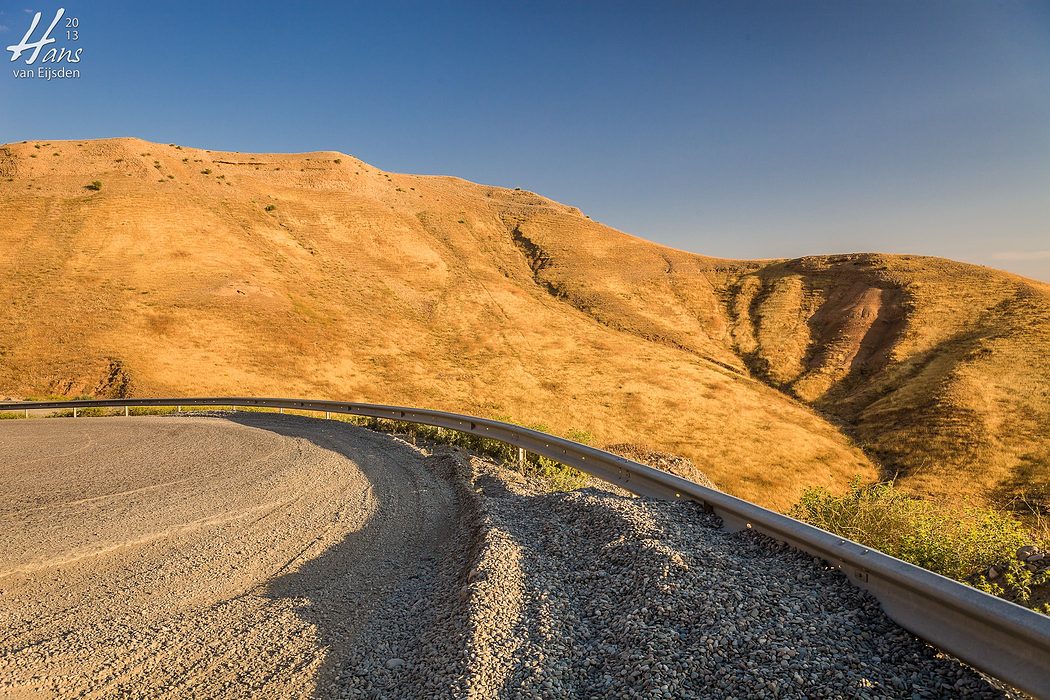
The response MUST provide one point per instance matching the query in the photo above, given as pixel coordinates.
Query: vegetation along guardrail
(996, 636)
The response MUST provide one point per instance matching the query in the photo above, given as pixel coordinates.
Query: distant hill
(204, 272)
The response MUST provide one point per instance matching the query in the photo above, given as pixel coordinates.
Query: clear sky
(738, 129)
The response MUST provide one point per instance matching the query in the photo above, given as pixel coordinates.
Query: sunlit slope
(174, 277)
(941, 370)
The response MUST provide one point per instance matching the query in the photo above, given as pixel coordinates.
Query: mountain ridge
(195, 271)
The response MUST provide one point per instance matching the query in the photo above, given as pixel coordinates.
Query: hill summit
(139, 268)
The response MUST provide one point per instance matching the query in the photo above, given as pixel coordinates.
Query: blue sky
(738, 129)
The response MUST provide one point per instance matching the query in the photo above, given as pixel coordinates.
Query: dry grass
(363, 285)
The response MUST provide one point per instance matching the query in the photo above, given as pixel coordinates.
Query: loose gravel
(315, 559)
(595, 594)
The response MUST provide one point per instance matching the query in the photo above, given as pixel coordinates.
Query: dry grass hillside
(200, 272)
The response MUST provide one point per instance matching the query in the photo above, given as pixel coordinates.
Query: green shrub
(957, 542)
(95, 185)
(271, 207)
(206, 171)
(1015, 583)
(581, 436)
(558, 476)
(151, 410)
(99, 412)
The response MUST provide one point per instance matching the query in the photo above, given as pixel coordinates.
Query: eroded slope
(199, 272)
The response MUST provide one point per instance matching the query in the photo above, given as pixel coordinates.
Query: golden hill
(200, 272)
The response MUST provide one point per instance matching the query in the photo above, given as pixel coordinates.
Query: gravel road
(203, 557)
(258, 555)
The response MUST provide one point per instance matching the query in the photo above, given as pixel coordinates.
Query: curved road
(266, 556)
(202, 556)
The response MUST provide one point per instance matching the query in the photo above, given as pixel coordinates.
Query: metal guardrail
(996, 636)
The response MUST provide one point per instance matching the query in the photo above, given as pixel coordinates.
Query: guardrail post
(125, 411)
(521, 459)
(328, 415)
(74, 411)
(178, 409)
(27, 413)
(281, 411)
